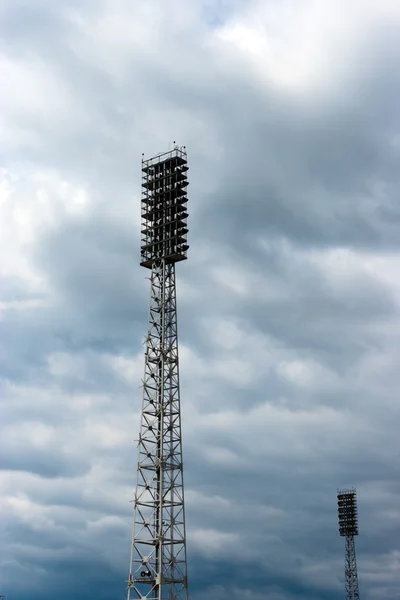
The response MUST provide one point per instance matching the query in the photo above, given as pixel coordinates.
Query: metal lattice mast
(348, 528)
(158, 567)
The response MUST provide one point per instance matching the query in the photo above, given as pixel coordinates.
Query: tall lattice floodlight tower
(348, 528)
(158, 567)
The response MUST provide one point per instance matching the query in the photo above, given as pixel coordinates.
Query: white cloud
(210, 542)
(34, 97)
(130, 368)
(308, 375)
(303, 48)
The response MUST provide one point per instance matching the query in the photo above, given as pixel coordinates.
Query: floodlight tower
(158, 569)
(348, 528)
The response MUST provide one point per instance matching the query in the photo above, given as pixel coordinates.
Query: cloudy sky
(289, 304)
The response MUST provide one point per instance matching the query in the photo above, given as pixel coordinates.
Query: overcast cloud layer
(289, 304)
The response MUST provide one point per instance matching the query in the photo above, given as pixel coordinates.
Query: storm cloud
(289, 304)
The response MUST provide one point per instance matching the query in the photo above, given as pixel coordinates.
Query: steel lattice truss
(351, 579)
(158, 557)
(159, 541)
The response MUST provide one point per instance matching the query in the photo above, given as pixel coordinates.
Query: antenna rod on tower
(158, 568)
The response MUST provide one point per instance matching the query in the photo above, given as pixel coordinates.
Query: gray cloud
(288, 304)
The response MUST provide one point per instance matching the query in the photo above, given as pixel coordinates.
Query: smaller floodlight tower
(348, 528)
